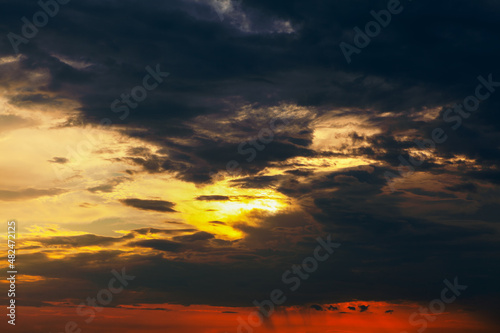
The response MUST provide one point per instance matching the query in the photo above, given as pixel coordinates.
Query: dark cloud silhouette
(154, 205)
(227, 82)
(217, 222)
(464, 187)
(158, 244)
(59, 160)
(109, 186)
(363, 308)
(221, 84)
(199, 236)
(146, 231)
(422, 192)
(317, 307)
(81, 240)
(256, 182)
(213, 198)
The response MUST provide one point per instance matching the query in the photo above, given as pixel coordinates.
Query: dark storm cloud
(154, 205)
(465, 187)
(300, 172)
(442, 195)
(33, 99)
(139, 151)
(177, 278)
(278, 230)
(256, 182)
(374, 226)
(242, 257)
(492, 176)
(229, 63)
(150, 164)
(189, 242)
(202, 282)
(321, 26)
(158, 244)
(428, 58)
(233, 65)
(195, 162)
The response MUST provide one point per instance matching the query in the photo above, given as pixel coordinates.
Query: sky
(184, 162)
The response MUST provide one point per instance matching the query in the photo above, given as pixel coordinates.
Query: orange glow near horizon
(155, 318)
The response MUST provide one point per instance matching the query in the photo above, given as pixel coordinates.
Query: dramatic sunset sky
(313, 144)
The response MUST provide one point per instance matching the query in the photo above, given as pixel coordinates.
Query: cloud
(217, 222)
(213, 198)
(463, 187)
(422, 192)
(28, 100)
(29, 193)
(158, 244)
(153, 205)
(9, 122)
(363, 308)
(188, 242)
(146, 231)
(256, 182)
(109, 186)
(59, 160)
(281, 58)
(241, 17)
(199, 236)
(81, 240)
(317, 307)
